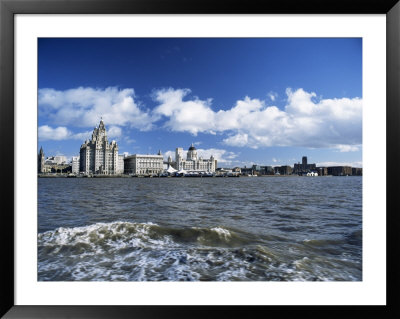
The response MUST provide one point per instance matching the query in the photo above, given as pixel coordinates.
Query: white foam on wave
(222, 232)
(100, 234)
(146, 251)
(98, 251)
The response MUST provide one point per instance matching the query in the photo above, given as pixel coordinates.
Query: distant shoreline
(144, 176)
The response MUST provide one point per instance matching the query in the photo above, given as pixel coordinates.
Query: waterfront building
(257, 169)
(75, 164)
(120, 169)
(60, 159)
(50, 161)
(97, 156)
(56, 160)
(41, 161)
(61, 168)
(356, 171)
(267, 170)
(223, 170)
(193, 162)
(139, 164)
(322, 171)
(46, 165)
(283, 170)
(340, 170)
(247, 171)
(304, 167)
(287, 170)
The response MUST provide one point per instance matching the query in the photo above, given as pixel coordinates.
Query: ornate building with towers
(192, 161)
(97, 156)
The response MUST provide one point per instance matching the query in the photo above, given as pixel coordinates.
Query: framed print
(125, 122)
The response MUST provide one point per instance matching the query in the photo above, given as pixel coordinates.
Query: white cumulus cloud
(272, 95)
(348, 148)
(46, 132)
(192, 116)
(114, 132)
(306, 120)
(81, 136)
(83, 107)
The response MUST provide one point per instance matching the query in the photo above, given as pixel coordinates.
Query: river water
(200, 229)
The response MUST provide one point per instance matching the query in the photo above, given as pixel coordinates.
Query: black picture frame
(8, 8)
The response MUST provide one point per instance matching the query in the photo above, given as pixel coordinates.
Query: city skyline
(245, 101)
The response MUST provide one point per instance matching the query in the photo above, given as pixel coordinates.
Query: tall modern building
(97, 156)
(192, 161)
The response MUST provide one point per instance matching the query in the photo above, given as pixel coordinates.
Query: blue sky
(244, 100)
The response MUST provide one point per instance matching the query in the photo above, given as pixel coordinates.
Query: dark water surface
(218, 229)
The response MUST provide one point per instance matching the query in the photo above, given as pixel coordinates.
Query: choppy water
(218, 229)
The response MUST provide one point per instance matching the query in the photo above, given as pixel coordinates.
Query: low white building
(50, 161)
(312, 174)
(56, 160)
(140, 164)
(60, 159)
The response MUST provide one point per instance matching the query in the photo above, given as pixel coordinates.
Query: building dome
(192, 153)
